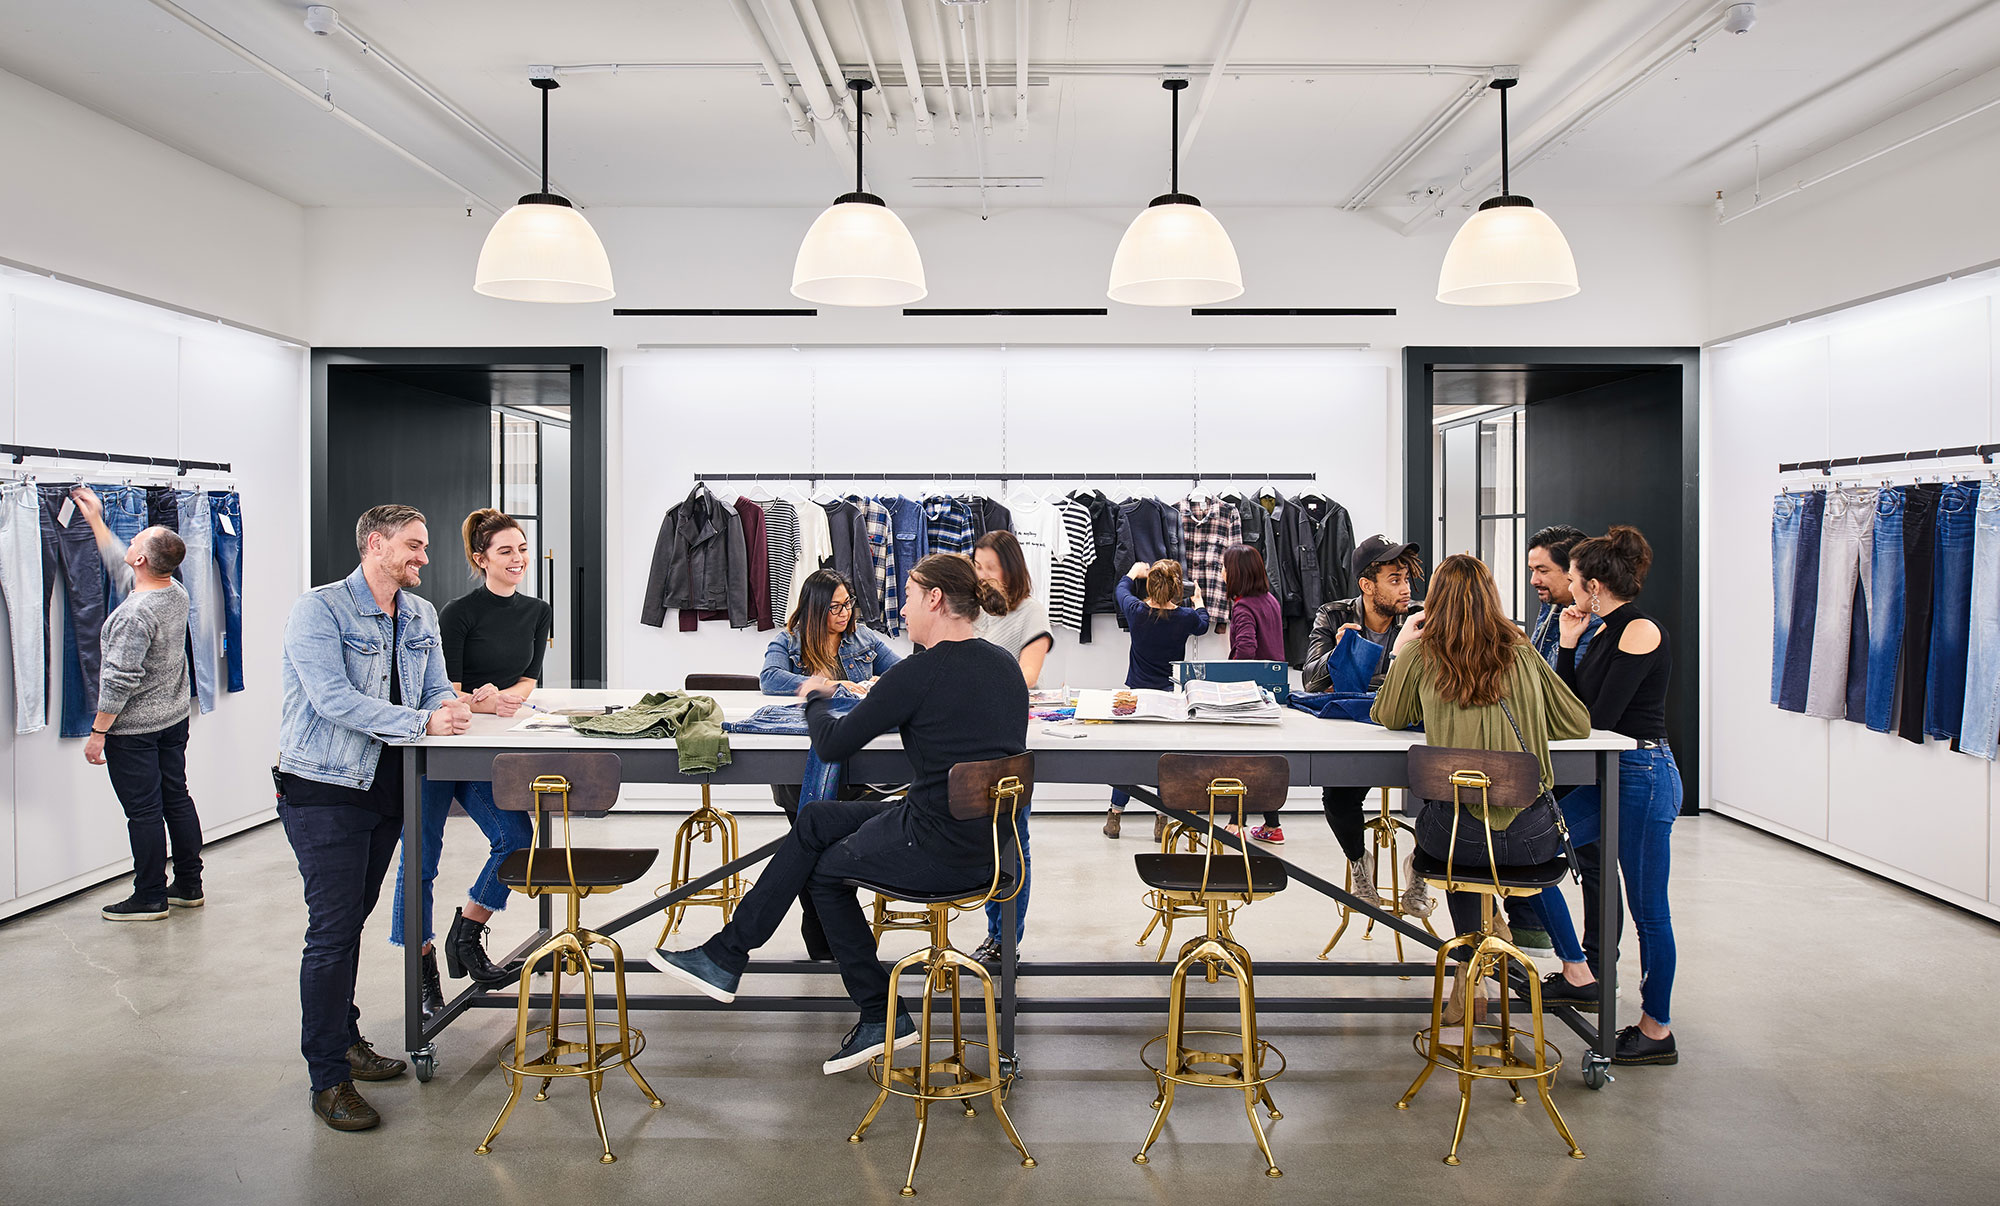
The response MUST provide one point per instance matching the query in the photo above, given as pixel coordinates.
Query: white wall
(92, 199)
(82, 370)
(1916, 371)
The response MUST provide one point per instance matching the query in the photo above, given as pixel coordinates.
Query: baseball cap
(1375, 550)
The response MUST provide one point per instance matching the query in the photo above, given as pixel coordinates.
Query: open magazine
(1210, 702)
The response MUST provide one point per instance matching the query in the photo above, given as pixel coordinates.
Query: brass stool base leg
(1161, 1106)
(513, 1096)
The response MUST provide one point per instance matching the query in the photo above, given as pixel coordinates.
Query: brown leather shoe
(1111, 820)
(343, 1109)
(366, 1065)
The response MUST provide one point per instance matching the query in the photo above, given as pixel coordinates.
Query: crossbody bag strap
(1562, 827)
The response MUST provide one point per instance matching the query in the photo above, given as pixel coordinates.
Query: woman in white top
(1024, 632)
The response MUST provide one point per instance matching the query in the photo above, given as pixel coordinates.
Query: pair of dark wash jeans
(1887, 601)
(149, 774)
(344, 852)
(1951, 609)
(1920, 507)
(225, 510)
(1796, 672)
(1787, 513)
(125, 515)
(70, 557)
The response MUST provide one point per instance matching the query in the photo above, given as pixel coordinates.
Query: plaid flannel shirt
(882, 559)
(949, 523)
(1208, 527)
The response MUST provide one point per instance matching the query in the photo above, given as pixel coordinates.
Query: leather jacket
(1327, 623)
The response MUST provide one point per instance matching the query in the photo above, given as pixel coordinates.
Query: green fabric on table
(693, 721)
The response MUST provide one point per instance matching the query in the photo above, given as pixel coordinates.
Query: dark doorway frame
(1420, 364)
(588, 370)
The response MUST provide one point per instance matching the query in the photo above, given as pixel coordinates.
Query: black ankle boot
(433, 988)
(465, 954)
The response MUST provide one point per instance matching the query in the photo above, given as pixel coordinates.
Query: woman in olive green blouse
(1460, 669)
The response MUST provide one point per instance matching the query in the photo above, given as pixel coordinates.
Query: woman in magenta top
(1256, 633)
(1256, 628)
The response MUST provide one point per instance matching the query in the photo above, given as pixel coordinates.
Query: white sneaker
(1363, 872)
(1417, 898)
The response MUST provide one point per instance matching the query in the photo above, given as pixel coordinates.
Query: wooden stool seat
(596, 868)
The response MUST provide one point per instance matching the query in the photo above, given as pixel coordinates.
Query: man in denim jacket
(363, 666)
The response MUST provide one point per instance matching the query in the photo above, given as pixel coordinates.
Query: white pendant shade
(858, 254)
(1175, 255)
(539, 252)
(1507, 255)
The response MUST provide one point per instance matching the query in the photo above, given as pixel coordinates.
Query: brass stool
(706, 825)
(1485, 1051)
(581, 783)
(994, 791)
(1169, 907)
(1382, 834)
(1220, 882)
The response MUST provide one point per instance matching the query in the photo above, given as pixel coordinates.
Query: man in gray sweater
(141, 730)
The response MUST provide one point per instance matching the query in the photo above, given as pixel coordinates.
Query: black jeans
(1532, 837)
(1347, 815)
(836, 840)
(343, 852)
(1920, 506)
(149, 773)
(69, 556)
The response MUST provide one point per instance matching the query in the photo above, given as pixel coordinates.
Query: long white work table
(1121, 754)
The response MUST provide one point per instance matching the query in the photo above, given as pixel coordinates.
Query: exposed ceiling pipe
(829, 62)
(1445, 117)
(1585, 104)
(1851, 164)
(1215, 73)
(767, 63)
(1038, 73)
(320, 102)
(1021, 11)
(985, 94)
(913, 76)
(874, 72)
(979, 128)
(944, 66)
(798, 51)
(423, 88)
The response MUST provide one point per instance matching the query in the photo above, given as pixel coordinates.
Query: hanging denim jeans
(226, 511)
(198, 576)
(70, 557)
(1886, 603)
(125, 515)
(21, 584)
(1787, 513)
(1846, 562)
(1977, 733)
(1951, 609)
(1804, 605)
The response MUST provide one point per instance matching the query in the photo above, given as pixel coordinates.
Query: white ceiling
(1811, 74)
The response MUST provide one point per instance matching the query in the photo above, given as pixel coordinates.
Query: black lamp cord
(1505, 189)
(545, 134)
(1175, 148)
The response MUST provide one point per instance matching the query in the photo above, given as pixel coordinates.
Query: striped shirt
(1067, 571)
(781, 544)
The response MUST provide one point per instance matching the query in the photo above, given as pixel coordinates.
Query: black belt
(1651, 743)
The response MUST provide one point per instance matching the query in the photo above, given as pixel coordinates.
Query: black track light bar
(1009, 312)
(633, 312)
(1295, 311)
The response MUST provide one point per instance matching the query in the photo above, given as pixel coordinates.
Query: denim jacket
(1546, 635)
(337, 713)
(863, 655)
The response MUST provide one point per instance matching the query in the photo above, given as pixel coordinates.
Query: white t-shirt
(1038, 525)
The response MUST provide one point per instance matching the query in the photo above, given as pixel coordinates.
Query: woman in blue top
(1161, 625)
(822, 639)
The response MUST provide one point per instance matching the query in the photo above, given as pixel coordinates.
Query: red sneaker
(1270, 835)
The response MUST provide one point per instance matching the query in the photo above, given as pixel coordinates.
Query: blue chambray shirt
(337, 713)
(1547, 633)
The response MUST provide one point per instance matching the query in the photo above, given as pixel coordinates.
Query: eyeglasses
(839, 609)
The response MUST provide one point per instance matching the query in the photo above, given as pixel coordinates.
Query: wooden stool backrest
(996, 791)
(1493, 778)
(1198, 782)
(572, 781)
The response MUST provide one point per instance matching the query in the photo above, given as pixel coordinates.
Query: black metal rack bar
(1985, 452)
(21, 452)
(1008, 477)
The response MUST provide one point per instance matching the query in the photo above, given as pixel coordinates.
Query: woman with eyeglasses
(822, 640)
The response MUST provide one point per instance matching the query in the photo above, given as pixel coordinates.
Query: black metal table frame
(650, 764)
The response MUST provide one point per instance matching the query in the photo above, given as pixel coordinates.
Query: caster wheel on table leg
(1009, 1066)
(425, 1063)
(1596, 1072)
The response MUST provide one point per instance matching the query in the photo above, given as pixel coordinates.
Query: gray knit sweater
(145, 675)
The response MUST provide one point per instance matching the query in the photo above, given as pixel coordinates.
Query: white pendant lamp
(542, 250)
(1508, 253)
(858, 252)
(1175, 253)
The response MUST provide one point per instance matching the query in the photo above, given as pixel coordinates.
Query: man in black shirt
(354, 650)
(959, 699)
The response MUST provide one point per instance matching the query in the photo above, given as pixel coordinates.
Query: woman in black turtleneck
(1622, 679)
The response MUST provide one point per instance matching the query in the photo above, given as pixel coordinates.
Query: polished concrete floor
(1835, 1028)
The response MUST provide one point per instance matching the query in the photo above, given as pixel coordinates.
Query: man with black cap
(1384, 570)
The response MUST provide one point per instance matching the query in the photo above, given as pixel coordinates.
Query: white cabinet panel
(1920, 808)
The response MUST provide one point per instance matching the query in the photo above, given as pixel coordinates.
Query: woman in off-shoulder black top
(1622, 679)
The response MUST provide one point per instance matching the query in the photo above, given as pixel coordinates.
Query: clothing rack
(22, 451)
(1007, 477)
(1984, 452)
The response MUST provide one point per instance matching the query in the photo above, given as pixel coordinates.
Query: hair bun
(992, 600)
(1628, 542)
